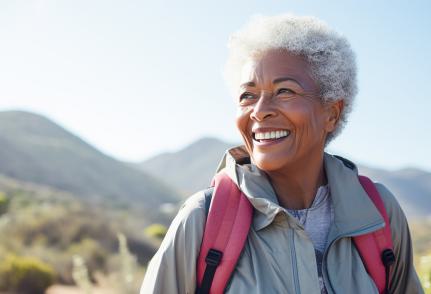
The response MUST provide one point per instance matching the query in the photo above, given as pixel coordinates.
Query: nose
(263, 108)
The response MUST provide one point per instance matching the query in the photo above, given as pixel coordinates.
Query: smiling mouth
(270, 135)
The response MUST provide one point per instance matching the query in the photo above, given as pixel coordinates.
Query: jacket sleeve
(173, 268)
(403, 275)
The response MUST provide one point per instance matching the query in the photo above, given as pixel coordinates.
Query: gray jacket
(278, 256)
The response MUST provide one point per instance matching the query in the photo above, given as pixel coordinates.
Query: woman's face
(280, 115)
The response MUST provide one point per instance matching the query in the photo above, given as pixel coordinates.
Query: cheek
(304, 116)
(243, 126)
(242, 120)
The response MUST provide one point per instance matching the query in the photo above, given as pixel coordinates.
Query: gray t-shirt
(316, 221)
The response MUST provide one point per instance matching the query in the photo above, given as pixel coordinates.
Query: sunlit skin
(278, 92)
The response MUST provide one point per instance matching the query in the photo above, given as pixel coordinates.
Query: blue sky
(136, 78)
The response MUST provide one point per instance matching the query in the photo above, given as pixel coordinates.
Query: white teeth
(271, 135)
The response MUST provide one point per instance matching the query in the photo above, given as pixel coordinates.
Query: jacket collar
(353, 210)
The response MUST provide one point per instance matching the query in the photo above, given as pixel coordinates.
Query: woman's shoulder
(187, 227)
(397, 218)
(390, 202)
(193, 206)
(189, 222)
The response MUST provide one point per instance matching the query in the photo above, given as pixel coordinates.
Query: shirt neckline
(322, 195)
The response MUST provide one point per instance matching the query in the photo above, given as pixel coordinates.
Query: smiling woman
(303, 220)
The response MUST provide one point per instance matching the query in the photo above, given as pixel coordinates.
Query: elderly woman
(294, 81)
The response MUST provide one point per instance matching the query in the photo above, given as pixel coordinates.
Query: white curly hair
(329, 54)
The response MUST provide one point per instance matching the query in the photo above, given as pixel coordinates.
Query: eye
(246, 96)
(285, 91)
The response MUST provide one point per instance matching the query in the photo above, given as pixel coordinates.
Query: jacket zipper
(294, 263)
(350, 234)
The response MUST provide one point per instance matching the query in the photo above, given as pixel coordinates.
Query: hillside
(191, 168)
(35, 149)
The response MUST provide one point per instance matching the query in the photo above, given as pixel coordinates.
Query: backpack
(229, 219)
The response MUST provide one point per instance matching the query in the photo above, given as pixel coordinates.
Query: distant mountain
(191, 169)
(35, 149)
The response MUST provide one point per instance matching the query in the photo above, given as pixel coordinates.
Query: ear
(334, 110)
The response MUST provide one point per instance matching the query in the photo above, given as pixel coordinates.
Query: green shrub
(4, 203)
(92, 252)
(156, 231)
(25, 275)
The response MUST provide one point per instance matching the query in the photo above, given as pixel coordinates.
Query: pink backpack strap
(226, 231)
(376, 248)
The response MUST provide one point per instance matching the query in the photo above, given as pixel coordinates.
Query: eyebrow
(275, 81)
(248, 84)
(283, 79)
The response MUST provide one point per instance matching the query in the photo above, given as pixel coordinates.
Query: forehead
(264, 68)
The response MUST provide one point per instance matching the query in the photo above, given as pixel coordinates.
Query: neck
(296, 185)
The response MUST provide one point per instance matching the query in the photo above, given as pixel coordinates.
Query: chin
(268, 162)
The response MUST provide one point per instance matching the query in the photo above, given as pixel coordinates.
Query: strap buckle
(388, 257)
(213, 257)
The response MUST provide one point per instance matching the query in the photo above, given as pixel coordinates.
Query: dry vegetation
(43, 229)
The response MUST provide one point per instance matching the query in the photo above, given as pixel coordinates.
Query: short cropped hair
(328, 53)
